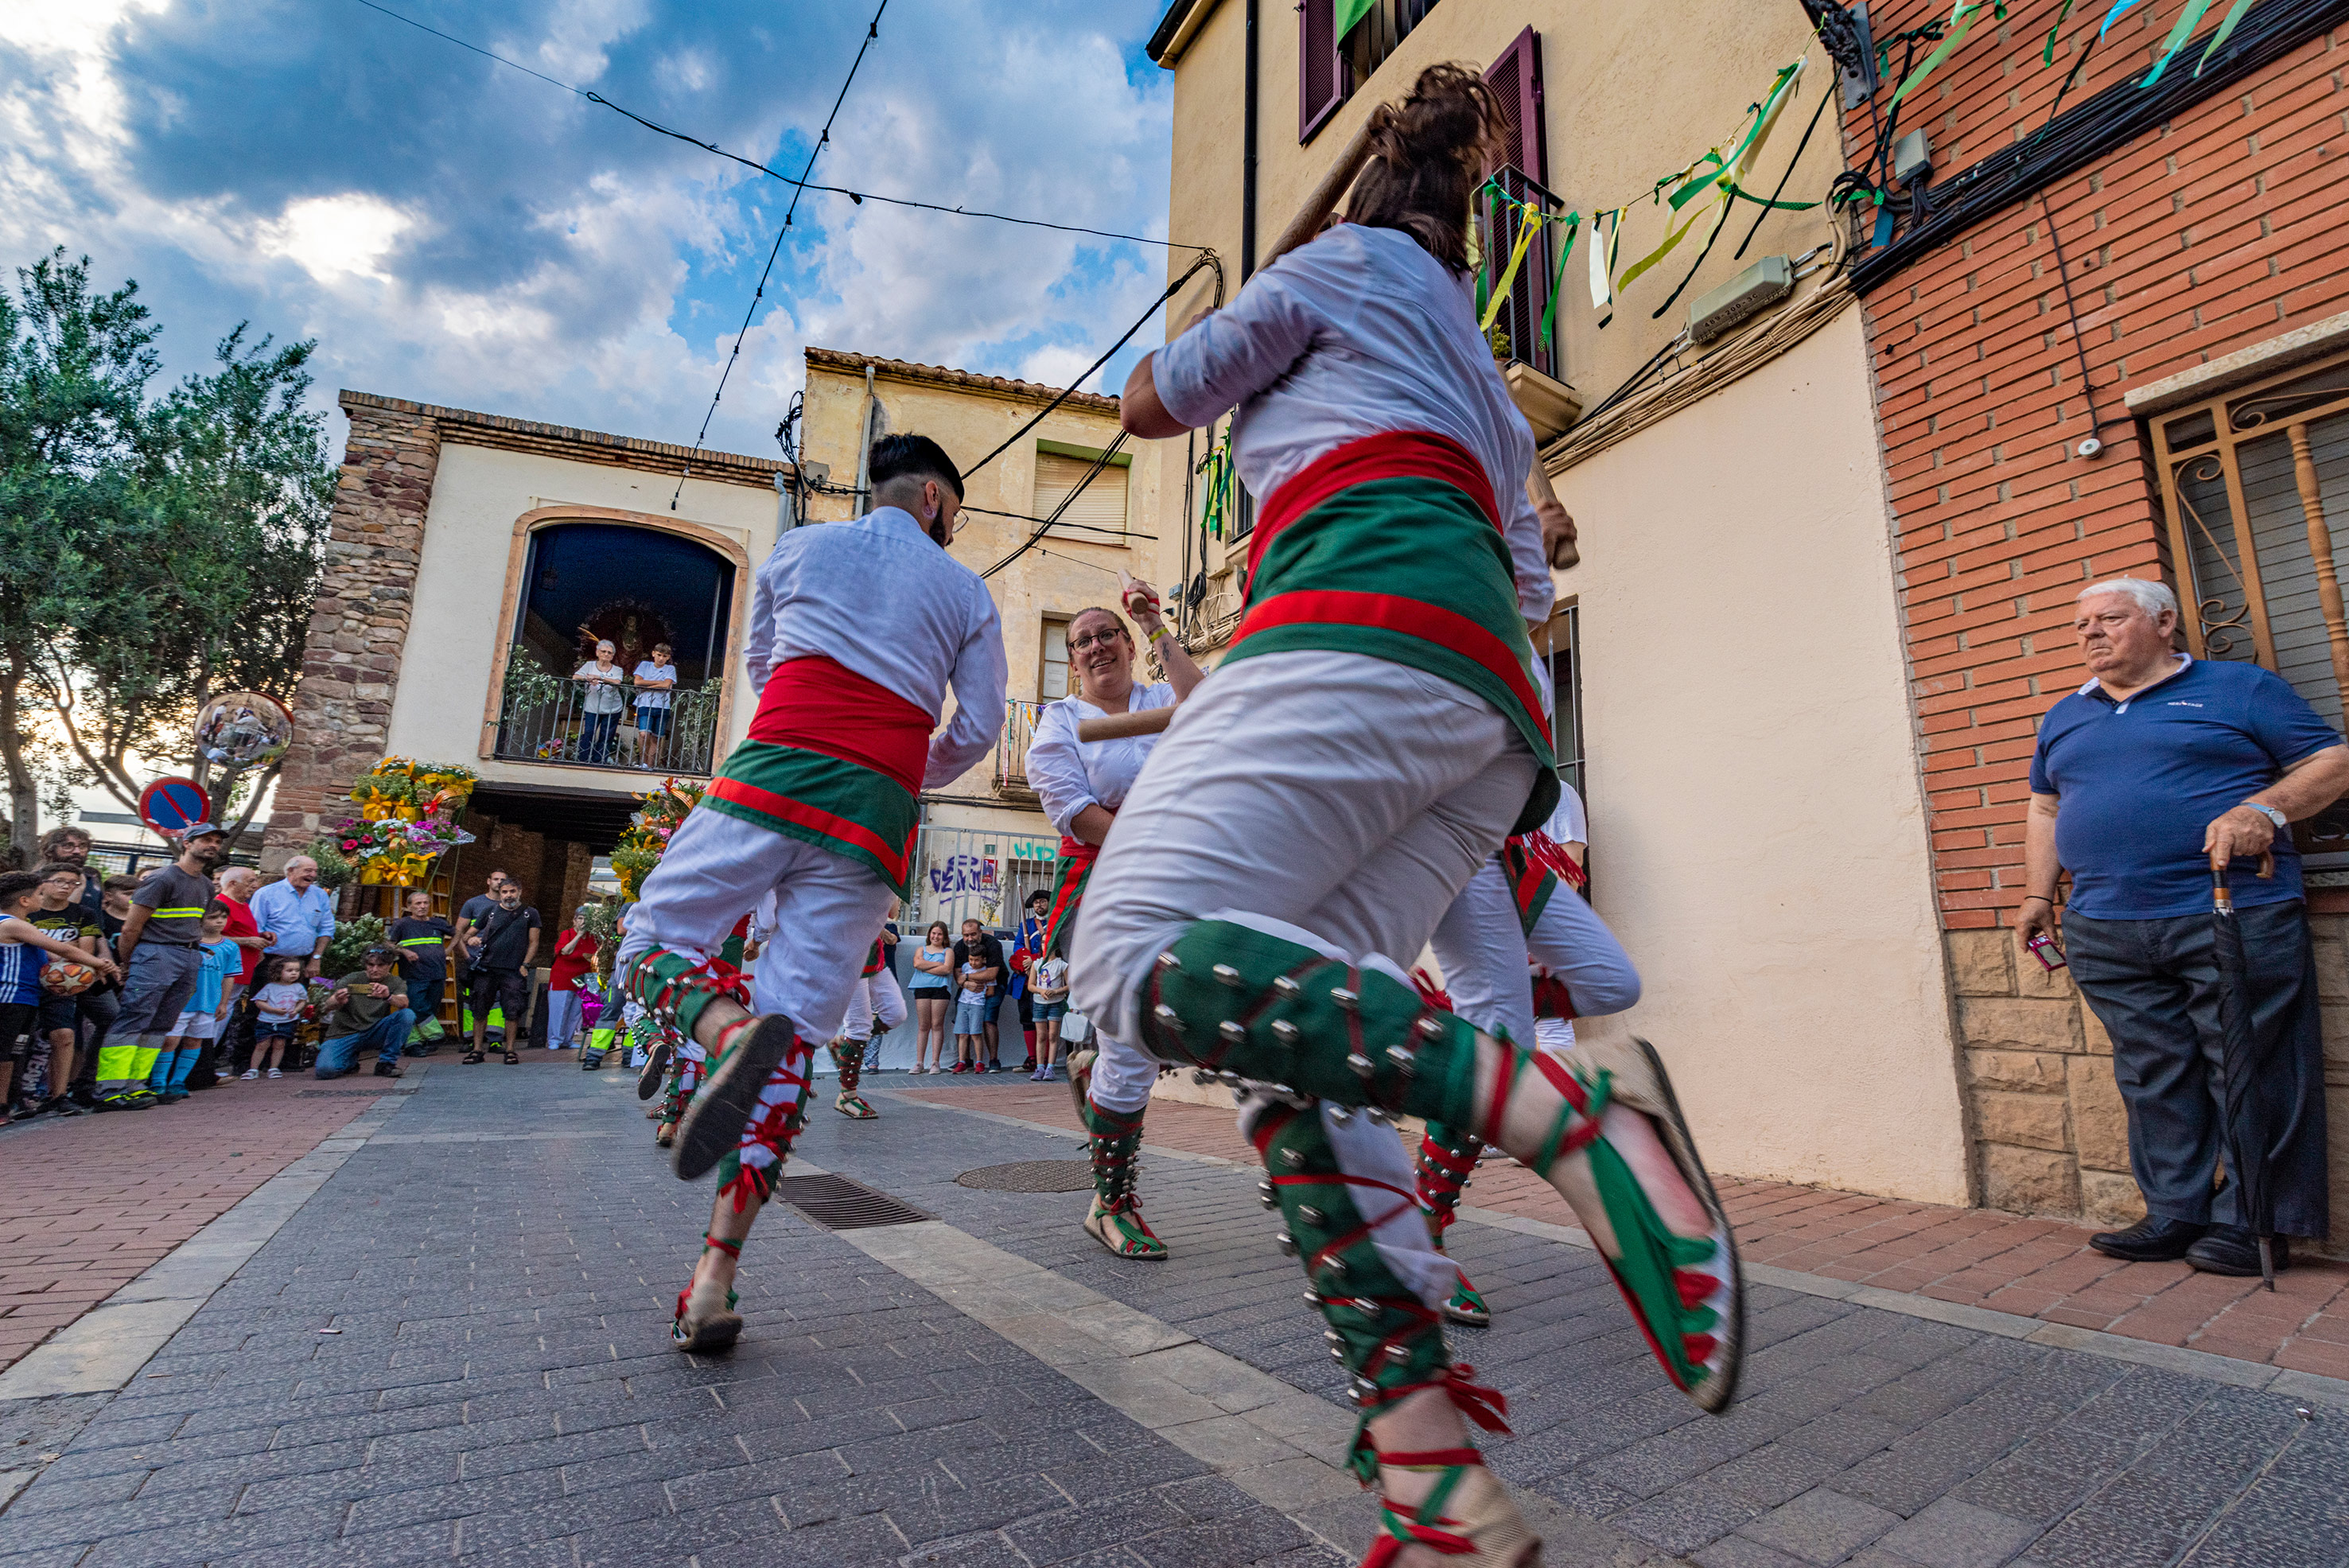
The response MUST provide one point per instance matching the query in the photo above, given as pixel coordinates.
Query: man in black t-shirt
(473, 987)
(504, 946)
(424, 941)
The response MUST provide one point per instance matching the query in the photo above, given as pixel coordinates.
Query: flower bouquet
(407, 819)
(661, 813)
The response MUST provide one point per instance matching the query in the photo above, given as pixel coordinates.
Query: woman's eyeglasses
(1078, 644)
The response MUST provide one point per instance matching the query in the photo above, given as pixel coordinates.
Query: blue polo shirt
(2141, 780)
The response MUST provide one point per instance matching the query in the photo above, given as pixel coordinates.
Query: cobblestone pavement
(456, 1350)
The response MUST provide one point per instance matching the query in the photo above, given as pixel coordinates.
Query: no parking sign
(170, 806)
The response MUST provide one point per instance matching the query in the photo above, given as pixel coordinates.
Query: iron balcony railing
(592, 724)
(1011, 750)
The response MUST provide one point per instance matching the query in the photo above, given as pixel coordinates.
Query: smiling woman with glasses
(1081, 784)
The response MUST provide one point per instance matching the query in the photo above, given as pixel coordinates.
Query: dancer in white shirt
(819, 808)
(873, 998)
(1081, 784)
(1369, 740)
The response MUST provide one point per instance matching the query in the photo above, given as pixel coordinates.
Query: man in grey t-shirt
(163, 955)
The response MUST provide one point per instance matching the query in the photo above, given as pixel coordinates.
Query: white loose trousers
(872, 994)
(1483, 947)
(1345, 796)
(827, 908)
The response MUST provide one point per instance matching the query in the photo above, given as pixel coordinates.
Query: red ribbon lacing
(1403, 1528)
(774, 1127)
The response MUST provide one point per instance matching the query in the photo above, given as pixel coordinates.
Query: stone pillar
(342, 708)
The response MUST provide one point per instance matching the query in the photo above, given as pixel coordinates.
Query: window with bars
(2255, 488)
(1558, 642)
(1339, 45)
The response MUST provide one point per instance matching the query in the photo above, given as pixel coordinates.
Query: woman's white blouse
(1069, 775)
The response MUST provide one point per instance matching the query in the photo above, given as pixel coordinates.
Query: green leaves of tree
(154, 551)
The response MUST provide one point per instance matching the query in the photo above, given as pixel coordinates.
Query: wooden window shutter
(1321, 72)
(1515, 74)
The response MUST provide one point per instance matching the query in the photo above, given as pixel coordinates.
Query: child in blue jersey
(25, 951)
(200, 1023)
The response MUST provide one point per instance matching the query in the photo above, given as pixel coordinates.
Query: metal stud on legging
(1447, 1157)
(676, 989)
(1233, 997)
(1116, 1147)
(848, 1060)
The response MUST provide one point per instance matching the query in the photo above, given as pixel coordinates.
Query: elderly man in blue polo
(2157, 768)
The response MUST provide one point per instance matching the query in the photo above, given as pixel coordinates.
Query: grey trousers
(2154, 986)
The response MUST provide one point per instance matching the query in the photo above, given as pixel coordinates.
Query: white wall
(459, 622)
(1758, 828)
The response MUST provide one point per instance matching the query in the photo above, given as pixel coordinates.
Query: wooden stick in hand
(1121, 726)
(1325, 197)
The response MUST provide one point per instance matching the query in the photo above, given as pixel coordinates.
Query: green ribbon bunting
(2047, 57)
(1558, 284)
(2234, 14)
(2187, 20)
(1962, 17)
(1348, 15)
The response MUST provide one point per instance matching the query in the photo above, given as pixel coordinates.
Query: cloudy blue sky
(454, 231)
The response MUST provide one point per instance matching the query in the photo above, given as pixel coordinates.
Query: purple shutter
(1515, 74)
(1320, 71)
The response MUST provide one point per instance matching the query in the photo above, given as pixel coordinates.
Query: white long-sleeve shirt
(879, 598)
(1069, 774)
(1358, 332)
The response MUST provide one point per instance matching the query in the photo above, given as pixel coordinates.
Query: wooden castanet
(1121, 726)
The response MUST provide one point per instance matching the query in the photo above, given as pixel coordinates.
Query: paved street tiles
(500, 1262)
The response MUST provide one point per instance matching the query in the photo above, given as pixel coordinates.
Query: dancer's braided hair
(1427, 154)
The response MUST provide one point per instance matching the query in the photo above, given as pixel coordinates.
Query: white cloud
(334, 238)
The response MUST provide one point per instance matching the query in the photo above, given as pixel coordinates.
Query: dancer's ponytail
(1427, 154)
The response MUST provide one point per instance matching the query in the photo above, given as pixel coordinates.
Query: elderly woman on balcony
(602, 676)
(1081, 784)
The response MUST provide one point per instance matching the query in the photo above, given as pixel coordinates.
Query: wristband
(1158, 633)
(2042, 897)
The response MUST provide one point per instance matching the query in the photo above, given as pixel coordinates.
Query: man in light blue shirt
(297, 914)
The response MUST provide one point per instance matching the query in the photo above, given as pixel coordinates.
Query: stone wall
(342, 706)
(2049, 1131)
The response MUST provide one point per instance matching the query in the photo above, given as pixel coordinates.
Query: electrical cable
(1070, 390)
(1100, 462)
(859, 197)
(872, 32)
(1816, 115)
(1088, 527)
(2071, 308)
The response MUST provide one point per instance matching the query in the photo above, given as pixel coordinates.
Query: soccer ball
(64, 978)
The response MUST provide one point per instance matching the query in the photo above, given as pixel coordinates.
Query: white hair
(2151, 596)
(236, 873)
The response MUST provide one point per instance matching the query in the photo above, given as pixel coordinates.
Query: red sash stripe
(1413, 617)
(785, 809)
(1391, 454)
(817, 704)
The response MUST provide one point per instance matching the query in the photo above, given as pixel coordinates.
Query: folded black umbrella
(2245, 1053)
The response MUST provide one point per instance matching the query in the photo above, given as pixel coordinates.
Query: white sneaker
(275, 1073)
(249, 1074)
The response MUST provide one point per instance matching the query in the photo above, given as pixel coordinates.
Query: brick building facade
(2200, 252)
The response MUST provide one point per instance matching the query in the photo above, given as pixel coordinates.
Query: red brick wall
(2220, 230)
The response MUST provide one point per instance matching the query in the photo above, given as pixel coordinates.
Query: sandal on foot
(664, 1134)
(470, 1057)
(1081, 1082)
(854, 1107)
(1687, 1295)
(511, 1059)
(1466, 1306)
(710, 1331)
(1123, 1230)
(712, 1126)
(1468, 1518)
(655, 1068)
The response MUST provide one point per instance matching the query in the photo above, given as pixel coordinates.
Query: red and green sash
(872, 961)
(1069, 873)
(1392, 546)
(835, 759)
(1535, 864)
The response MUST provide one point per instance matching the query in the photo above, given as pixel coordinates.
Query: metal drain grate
(840, 1203)
(1030, 1176)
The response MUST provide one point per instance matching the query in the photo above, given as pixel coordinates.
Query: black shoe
(2149, 1240)
(62, 1106)
(86, 1098)
(388, 1069)
(2233, 1251)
